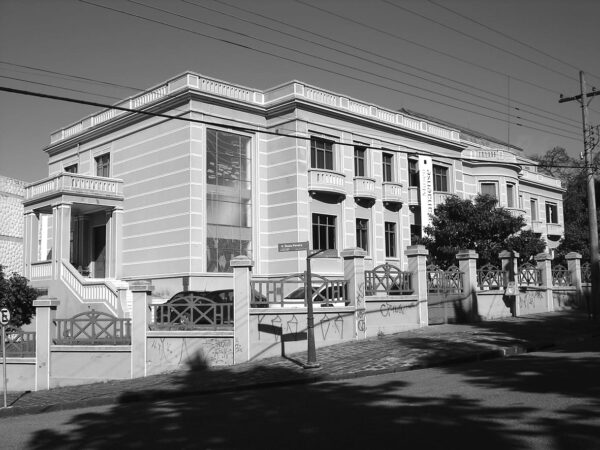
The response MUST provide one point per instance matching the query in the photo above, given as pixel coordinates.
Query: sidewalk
(426, 347)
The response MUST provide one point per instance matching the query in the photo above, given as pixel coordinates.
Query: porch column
(544, 264)
(467, 264)
(242, 294)
(114, 233)
(417, 265)
(574, 264)
(30, 241)
(354, 274)
(61, 235)
(83, 242)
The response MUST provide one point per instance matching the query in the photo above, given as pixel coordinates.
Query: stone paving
(426, 347)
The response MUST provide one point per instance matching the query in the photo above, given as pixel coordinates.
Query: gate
(444, 294)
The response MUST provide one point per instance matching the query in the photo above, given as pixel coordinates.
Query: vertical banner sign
(426, 191)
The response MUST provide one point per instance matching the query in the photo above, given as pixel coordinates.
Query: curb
(152, 396)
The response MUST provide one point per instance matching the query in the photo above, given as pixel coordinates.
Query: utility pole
(591, 191)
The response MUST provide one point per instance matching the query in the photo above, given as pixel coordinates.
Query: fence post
(140, 291)
(509, 264)
(417, 265)
(467, 264)
(45, 313)
(544, 264)
(354, 274)
(574, 265)
(242, 270)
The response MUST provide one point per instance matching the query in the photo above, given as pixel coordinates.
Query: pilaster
(417, 265)
(354, 274)
(242, 293)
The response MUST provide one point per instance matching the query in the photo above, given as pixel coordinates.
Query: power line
(354, 55)
(516, 55)
(439, 52)
(507, 36)
(235, 127)
(437, 102)
(59, 87)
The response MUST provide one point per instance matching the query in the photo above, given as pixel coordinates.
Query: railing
(389, 279)
(538, 227)
(554, 229)
(93, 328)
(190, 311)
(41, 270)
(586, 273)
(440, 197)
(75, 183)
(89, 290)
(364, 187)
(392, 192)
(290, 291)
(490, 278)
(561, 276)
(530, 275)
(489, 154)
(538, 177)
(326, 181)
(449, 281)
(19, 343)
(516, 212)
(413, 195)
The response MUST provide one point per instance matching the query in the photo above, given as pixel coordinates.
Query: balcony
(392, 193)
(555, 229)
(74, 184)
(326, 182)
(538, 227)
(440, 197)
(516, 212)
(364, 188)
(413, 196)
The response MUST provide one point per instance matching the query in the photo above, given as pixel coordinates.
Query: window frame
(510, 199)
(362, 233)
(387, 167)
(489, 183)
(534, 208)
(444, 177)
(329, 224)
(326, 151)
(71, 168)
(552, 206)
(413, 173)
(103, 165)
(360, 161)
(391, 241)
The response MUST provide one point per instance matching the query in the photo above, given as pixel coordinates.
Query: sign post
(311, 353)
(4, 320)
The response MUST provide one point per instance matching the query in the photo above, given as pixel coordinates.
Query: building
(134, 196)
(11, 225)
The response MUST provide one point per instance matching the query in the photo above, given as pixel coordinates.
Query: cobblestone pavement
(426, 347)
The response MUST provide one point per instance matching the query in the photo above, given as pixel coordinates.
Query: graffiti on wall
(388, 309)
(179, 351)
(332, 327)
(532, 300)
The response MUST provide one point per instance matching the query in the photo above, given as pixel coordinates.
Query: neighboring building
(11, 224)
(132, 196)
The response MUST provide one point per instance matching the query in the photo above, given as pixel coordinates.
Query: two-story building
(172, 183)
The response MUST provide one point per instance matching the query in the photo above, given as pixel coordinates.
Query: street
(542, 400)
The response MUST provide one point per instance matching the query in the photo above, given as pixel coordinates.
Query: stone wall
(11, 224)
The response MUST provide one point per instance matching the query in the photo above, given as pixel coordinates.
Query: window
(323, 230)
(551, 213)
(520, 202)
(362, 234)
(359, 161)
(489, 189)
(440, 179)
(390, 239)
(510, 195)
(534, 209)
(388, 172)
(71, 169)
(103, 165)
(413, 173)
(228, 199)
(321, 154)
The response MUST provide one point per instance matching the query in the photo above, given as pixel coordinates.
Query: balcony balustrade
(538, 227)
(440, 197)
(364, 188)
(326, 181)
(72, 183)
(554, 229)
(413, 195)
(392, 192)
(516, 212)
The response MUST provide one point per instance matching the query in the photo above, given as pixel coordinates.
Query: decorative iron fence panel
(190, 311)
(19, 343)
(561, 276)
(290, 291)
(449, 281)
(586, 273)
(389, 279)
(491, 278)
(530, 275)
(93, 328)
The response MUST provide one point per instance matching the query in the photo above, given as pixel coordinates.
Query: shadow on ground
(354, 415)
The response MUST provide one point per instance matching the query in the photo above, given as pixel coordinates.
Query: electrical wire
(59, 87)
(239, 128)
(371, 61)
(248, 47)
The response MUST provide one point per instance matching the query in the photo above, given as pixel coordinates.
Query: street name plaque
(293, 246)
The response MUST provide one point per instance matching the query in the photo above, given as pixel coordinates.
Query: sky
(497, 67)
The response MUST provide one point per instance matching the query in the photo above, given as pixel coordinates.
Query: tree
(18, 297)
(479, 225)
